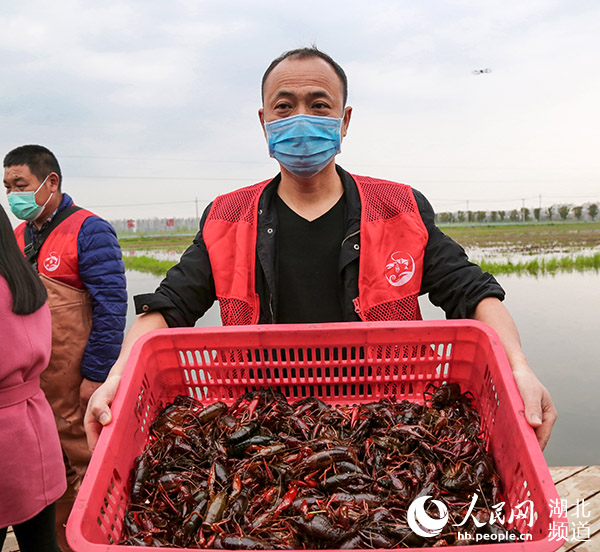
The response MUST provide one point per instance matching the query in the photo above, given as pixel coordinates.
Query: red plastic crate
(339, 363)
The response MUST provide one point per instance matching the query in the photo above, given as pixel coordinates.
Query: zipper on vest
(271, 308)
(350, 236)
(357, 309)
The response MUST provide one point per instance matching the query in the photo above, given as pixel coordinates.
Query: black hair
(28, 292)
(307, 53)
(40, 160)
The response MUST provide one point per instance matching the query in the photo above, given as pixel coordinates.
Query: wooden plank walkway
(574, 484)
(577, 484)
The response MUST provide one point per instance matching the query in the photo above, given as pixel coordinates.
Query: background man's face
(304, 86)
(19, 178)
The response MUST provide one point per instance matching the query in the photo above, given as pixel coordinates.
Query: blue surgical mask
(23, 204)
(304, 144)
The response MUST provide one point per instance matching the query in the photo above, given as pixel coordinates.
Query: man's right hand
(98, 412)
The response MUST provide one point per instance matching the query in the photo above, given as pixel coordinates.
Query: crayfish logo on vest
(52, 261)
(401, 269)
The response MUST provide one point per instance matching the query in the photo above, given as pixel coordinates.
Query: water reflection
(159, 254)
(558, 319)
(139, 282)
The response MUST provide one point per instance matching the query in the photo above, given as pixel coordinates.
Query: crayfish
(264, 474)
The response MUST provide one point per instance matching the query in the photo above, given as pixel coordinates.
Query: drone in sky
(481, 71)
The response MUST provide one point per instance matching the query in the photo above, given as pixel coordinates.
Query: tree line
(190, 225)
(524, 214)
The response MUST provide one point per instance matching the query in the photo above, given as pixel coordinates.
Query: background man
(79, 261)
(316, 244)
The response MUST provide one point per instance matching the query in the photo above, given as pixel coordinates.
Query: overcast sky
(149, 105)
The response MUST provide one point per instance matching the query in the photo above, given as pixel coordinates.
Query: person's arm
(452, 281)
(103, 274)
(539, 408)
(98, 409)
(463, 290)
(184, 295)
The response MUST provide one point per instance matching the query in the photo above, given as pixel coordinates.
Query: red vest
(392, 242)
(58, 258)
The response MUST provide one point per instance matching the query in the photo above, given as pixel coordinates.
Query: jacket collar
(66, 201)
(350, 191)
(266, 243)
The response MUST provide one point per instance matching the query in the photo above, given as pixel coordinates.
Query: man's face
(19, 178)
(304, 86)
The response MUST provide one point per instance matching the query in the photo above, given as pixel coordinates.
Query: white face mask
(23, 204)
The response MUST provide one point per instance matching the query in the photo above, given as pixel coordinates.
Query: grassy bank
(148, 264)
(580, 263)
(521, 237)
(177, 242)
(524, 236)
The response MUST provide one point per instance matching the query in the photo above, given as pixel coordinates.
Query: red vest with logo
(58, 257)
(392, 243)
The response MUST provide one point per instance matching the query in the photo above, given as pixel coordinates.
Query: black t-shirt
(307, 264)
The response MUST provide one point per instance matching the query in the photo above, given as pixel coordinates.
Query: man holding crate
(317, 244)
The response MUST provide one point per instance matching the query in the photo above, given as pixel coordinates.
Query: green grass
(537, 267)
(148, 264)
(178, 242)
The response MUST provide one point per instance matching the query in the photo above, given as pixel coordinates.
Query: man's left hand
(539, 408)
(86, 389)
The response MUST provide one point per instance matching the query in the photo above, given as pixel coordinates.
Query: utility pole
(196, 208)
(523, 211)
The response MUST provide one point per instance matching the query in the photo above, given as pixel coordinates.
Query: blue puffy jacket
(102, 272)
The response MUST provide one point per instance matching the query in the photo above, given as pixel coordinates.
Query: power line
(269, 163)
(162, 159)
(147, 204)
(190, 178)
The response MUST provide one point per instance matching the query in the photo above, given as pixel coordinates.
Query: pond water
(559, 321)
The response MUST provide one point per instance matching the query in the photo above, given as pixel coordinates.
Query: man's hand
(98, 409)
(539, 408)
(86, 389)
(98, 412)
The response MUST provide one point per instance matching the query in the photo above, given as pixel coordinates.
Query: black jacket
(453, 283)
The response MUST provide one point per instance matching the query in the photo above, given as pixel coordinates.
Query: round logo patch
(401, 268)
(52, 261)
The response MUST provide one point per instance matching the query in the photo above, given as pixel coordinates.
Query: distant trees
(446, 217)
(563, 211)
(556, 212)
